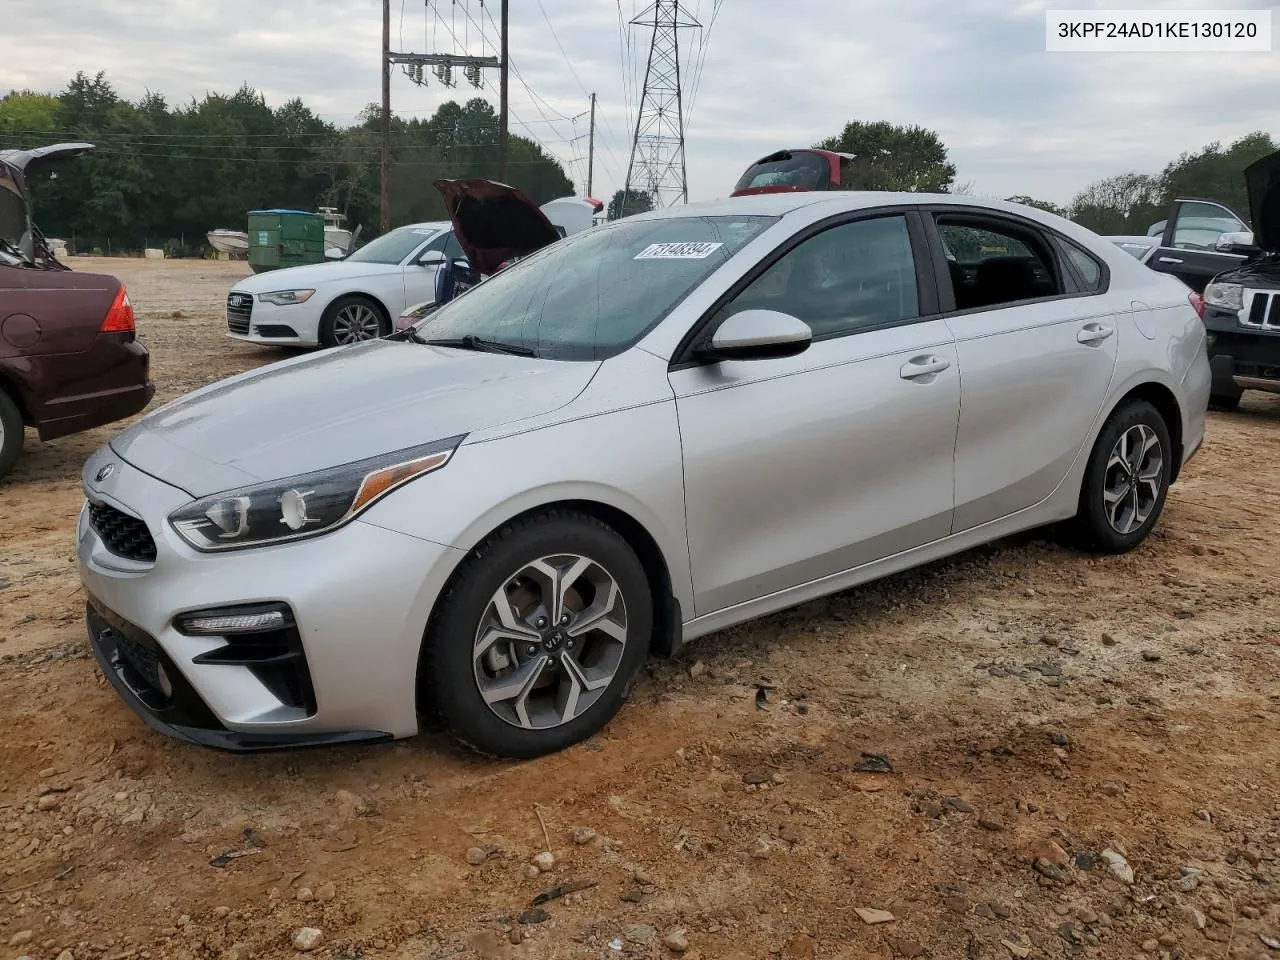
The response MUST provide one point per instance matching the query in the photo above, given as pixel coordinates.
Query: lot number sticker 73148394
(692, 250)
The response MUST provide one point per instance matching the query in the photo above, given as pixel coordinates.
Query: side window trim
(1082, 287)
(926, 284)
(1049, 240)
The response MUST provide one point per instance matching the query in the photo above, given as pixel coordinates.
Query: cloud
(1015, 118)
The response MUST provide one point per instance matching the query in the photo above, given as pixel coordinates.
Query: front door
(800, 468)
(1188, 246)
(1036, 334)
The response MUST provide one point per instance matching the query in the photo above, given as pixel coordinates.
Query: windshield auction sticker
(1157, 31)
(692, 250)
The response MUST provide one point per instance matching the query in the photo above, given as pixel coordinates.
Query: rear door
(1188, 246)
(804, 467)
(1036, 332)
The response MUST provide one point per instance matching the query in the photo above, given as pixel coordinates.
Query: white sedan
(327, 304)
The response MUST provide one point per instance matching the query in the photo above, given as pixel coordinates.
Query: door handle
(1169, 260)
(1094, 333)
(923, 367)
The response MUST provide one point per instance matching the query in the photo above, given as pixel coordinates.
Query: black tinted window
(851, 277)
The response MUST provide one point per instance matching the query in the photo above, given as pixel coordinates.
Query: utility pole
(442, 65)
(384, 191)
(591, 149)
(503, 108)
(657, 152)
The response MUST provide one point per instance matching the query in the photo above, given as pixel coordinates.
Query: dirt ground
(1022, 752)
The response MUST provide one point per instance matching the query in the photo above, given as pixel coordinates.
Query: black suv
(1209, 248)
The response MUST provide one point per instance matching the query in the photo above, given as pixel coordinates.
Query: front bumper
(360, 598)
(1241, 358)
(296, 325)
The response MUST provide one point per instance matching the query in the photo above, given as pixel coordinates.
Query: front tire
(539, 636)
(11, 433)
(352, 319)
(1126, 481)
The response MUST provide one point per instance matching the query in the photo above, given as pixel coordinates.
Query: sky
(1015, 119)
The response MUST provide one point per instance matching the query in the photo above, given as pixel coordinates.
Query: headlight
(303, 506)
(284, 298)
(1224, 296)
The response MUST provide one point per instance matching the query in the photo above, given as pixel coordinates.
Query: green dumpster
(284, 238)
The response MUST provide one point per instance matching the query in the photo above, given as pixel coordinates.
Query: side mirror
(333, 253)
(758, 335)
(431, 258)
(1238, 243)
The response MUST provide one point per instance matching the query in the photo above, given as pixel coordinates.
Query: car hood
(323, 410)
(24, 164)
(494, 223)
(311, 275)
(1262, 177)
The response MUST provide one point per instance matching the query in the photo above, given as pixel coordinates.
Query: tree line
(164, 176)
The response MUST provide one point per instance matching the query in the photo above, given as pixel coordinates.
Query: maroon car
(69, 355)
(792, 171)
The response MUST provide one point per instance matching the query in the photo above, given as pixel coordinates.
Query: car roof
(781, 204)
(429, 225)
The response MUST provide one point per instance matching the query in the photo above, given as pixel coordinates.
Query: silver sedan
(634, 437)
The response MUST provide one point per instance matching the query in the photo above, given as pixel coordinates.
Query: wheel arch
(13, 389)
(1166, 403)
(364, 295)
(667, 636)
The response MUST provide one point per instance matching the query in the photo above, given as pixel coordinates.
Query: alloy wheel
(356, 322)
(550, 641)
(1133, 478)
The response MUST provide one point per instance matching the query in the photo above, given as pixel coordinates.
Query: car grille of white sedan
(239, 311)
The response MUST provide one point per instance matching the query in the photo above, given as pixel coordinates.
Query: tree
(1046, 205)
(889, 157)
(637, 201)
(1215, 173)
(1126, 204)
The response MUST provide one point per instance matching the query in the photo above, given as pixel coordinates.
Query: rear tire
(352, 319)
(1226, 402)
(511, 670)
(11, 433)
(1126, 481)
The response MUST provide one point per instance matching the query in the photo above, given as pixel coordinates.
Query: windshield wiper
(11, 248)
(472, 342)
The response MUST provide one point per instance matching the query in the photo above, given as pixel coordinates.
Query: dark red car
(790, 171)
(69, 355)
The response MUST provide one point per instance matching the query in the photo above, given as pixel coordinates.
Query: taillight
(120, 317)
(1197, 303)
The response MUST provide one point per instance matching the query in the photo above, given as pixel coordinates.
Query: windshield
(594, 294)
(393, 247)
(801, 169)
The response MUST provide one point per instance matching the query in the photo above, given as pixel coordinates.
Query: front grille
(123, 535)
(1263, 311)
(239, 312)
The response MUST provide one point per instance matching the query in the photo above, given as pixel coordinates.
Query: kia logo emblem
(105, 472)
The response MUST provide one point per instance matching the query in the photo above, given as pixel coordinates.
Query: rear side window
(1089, 269)
(991, 264)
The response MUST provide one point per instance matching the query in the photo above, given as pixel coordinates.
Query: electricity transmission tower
(657, 163)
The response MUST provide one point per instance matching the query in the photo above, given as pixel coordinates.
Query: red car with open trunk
(69, 355)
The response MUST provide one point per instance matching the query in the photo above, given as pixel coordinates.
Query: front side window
(1199, 225)
(393, 247)
(852, 277)
(594, 294)
(996, 264)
